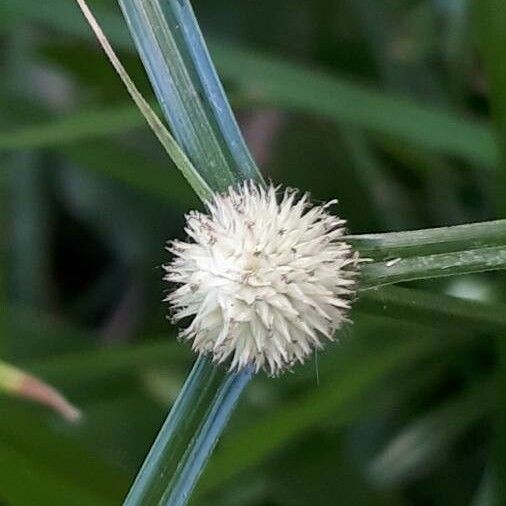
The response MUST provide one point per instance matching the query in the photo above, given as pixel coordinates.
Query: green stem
(431, 241)
(431, 253)
(188, 436)
(188, 88)
(178, 156)
(175, 56)
(433, 266)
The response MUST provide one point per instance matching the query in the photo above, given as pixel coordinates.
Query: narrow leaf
(163, 135)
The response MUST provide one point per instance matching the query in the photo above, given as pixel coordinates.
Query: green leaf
(78, 126)
(177, 155)
(78, 367)
(270, 80)
(432, 309)
(189, 90)
(432, 266)
(430, 240)
(431, 253)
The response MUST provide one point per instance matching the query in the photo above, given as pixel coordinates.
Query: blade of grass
(431, 241)
(188, 436)
(431, 253)
(188, 89)
(271, 80)
(185, 478)
(18, 383)
(382, 113)
(77, 367)
(69, 129)
(424, 439)
(433, 309)
(209, 396)
(433, 266)
(178, 156)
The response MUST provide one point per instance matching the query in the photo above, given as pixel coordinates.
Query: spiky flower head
(266, 279)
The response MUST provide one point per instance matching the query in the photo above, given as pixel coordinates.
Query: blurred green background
(382, 104)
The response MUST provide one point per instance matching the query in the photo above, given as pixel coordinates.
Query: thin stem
(431, 241)
(188, 436)
(176, 58)
(433, 266)
(200, 449)
(177, 155)
(177, 431)
(174, 53)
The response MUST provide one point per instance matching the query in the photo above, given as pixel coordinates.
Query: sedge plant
(264, 278)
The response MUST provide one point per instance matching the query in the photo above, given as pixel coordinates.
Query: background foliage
(383, 104)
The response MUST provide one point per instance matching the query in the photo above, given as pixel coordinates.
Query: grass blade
(433, 266)
(176, 58)
(80, 126)
(431, 240)
(188, 436)
(186, 476)
(16, 382)
(171, 146)
(271, 80)
(425, 438)
(203, 123)
(431, 253)
(434, 309)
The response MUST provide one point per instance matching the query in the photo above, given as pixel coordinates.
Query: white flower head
(266, 279)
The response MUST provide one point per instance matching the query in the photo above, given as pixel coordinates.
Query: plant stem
(188, 436)
(433, 266)
(431, 241)
(176, 58)
(173, 149)
(431, 253)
